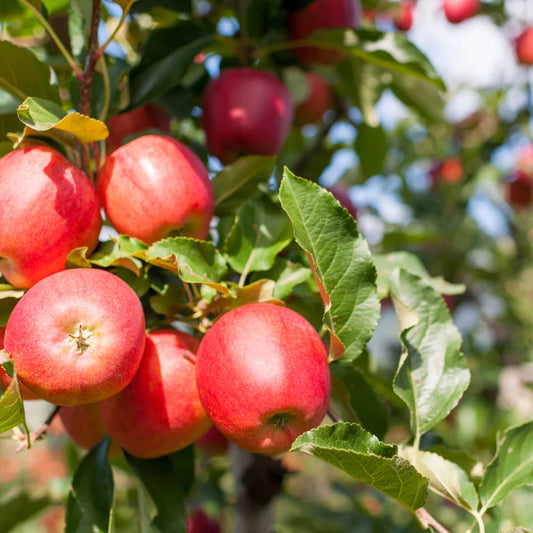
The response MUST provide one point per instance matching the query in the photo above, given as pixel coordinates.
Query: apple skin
(341, 191)
(402, 15)
(212, 442)
(159, 412)
(520, 189)
(145, 117)
(263, 377)
(49, 207)
(322, 14)
(76, 336)
(246, 111)
(154, 186)
(318, 101)
(5, 379)
(199, 522)
(458, 10)
(524, 47)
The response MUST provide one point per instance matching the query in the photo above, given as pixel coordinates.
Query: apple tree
(346, 298)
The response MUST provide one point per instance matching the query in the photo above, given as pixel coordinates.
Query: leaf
(363, 456)
(21, 507)
(192, 260)
(236, 183)
(167, 479)
(261, 230)
(432, 374)
(33, 79)
(91, 496)
(511, 467)
(12, 412)
(44, 115)
(167, 56)
(371, 147)
(119, 251)
(446, 478)
(341, 261)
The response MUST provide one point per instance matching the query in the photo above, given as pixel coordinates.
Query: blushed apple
(76, 336)
(212, 442)
(321, 14)
(159, 412)
(524, 46)
(458, 10)
(319, 100)
(155, 186)
(199, 522)
(246, 111)
(145, 117)
(48, 207)
(520, 189)
(402, 14)
(263, 377)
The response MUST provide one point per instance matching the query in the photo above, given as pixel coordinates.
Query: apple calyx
(81, 339)
(280, 420)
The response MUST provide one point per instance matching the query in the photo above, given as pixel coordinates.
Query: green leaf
(511, 467)
(261, 230)
(167, 479)
(357, 396)
(236, 183)
(167, 57)
(371, 147)
(11, 405)
(23, 75)
(119, 251)
(21, 507)
(341, 261)
(432, 374)
(91, 496)
(446, 478)
(192, 260)
(44, 115)
(363, 456)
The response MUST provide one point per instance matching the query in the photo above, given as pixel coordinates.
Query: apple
(212, 442)
(145, 117)
(341, 191)
(5, 379)
(319, 100)
(263, 377)
(520, 189)
(49, 207)
(246, 111)
(402, 14)
(159, 412)
(76, 336)
(524, 46)
(458, 10)
(199, 522)
(155, 186)
(321, 14)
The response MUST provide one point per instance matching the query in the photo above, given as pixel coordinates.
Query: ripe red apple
(159, 412)
(263, 377)
(199, 522)
(48, 207)
(458, 10)
(402, 14)
(520, 189)
(319, 100)
(5, 380)
(155, 186)
(145, 117)
(524, 46)
(212, 442)
(321, 14)
(76, 336)
(246, 111)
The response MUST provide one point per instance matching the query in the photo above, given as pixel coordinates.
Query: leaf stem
(479, 521)
(125, 13)
(70, 60)
(107, 88)
(427, 520)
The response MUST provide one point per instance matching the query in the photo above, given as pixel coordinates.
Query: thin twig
(334, 415)
(90, 63)
(427, 520)
(39, 432)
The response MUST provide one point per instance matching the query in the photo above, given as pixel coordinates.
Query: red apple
(49, 207)
(148, 116)
(263, 377)
(76, 336)
(155, 186)
(246, 111)
(319, 100)
(524, 46)
(212, 442)
(458, 10)
(520, 189)
(199, 522)
(84, 426)
(5, 380)
(402, 14)
(321, 14)
(159, 412)
(341, 191)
